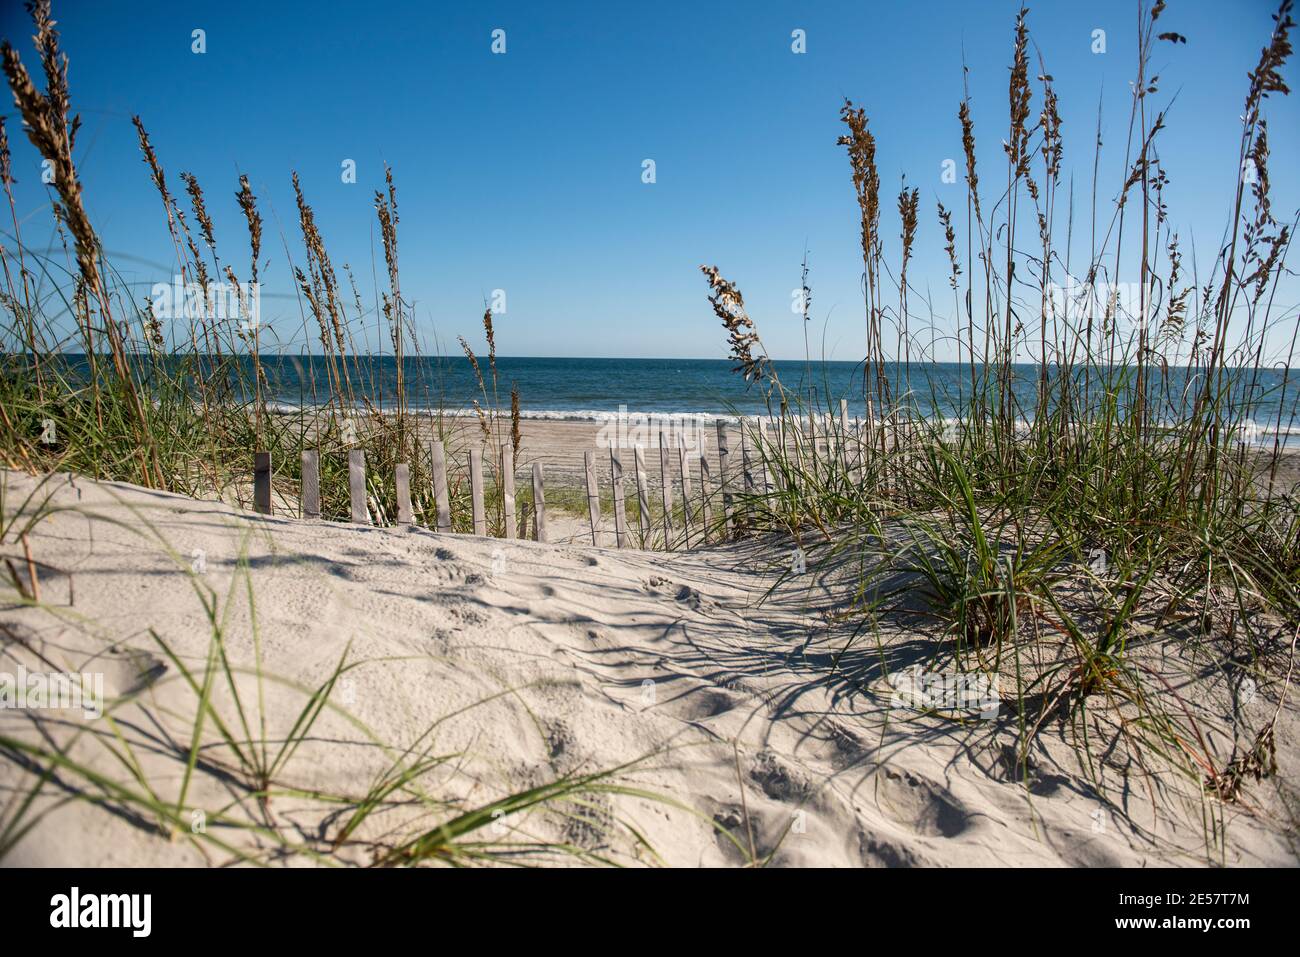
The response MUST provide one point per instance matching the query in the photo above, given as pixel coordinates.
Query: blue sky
(523, 171)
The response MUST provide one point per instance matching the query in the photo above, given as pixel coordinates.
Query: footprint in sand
(921, 804)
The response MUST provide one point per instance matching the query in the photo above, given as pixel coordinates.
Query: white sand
(615, 656)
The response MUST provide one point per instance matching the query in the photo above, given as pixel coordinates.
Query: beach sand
(725, 697)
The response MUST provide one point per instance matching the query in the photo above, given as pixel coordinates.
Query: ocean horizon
(599, 389)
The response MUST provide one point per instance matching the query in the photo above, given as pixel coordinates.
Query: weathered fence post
(686, 490)
(642, 493)
(746, 462)
(858, 456)
(785, 440)
(724, 461)
(476, 490)
(812, 427)
(620, 512)
(440, 498)
(508, 490)
(357, 486)
(664, 471)
(764, 453)
(706, 516)
(262, 482)
(311, 484)
(593, 496)
(402, 479)
(539, 503)
(746, 476)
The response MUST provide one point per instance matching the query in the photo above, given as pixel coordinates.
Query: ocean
(597, 389)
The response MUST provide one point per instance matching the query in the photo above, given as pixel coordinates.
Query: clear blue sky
(523, 171)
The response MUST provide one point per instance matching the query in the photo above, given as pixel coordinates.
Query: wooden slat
(812, 429)
(357, 486)
(262, 482)
(593, 496)
(706, 513)
(476, 490)
(440, 497)
(764, 452)
(642, 493)
(620, 513)
(508, 490)
(746, 461)
(782, 454)
(746, 473)
(402, 478)
(539, 503)
(843, 442)
(311, 484)
(666, 482)
(790, 439)
(724, 478)
(857, 450)
(686, 490)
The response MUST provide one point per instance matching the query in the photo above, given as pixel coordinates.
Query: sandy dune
(727, 694)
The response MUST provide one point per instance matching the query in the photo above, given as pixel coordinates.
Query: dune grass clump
(98, 382)
(175, 395)
(1109, 488)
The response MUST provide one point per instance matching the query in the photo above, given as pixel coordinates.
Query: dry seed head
(968, 147)
(861, 146)
(473, 362)
(386, 210)
(907, 204)
(1050, 121)
(54, 64)
(46, 122)
(318, 262)
(200, 208)
(317, 310)
(248, 203)
(6, 168)
(482, 421)
(155, 169)
(1019, 94)
(1176, 314)
(1266, 78)
(950, 238)
(392, 191)
(729, 306)
(490, 333)
(153, 325)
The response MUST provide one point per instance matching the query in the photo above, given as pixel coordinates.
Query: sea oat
(1017, 146)
(248, 204)
(490, 333)
(200, 208)
(729, 306)
(950, 238)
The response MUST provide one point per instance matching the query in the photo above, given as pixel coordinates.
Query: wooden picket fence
(697, 524)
